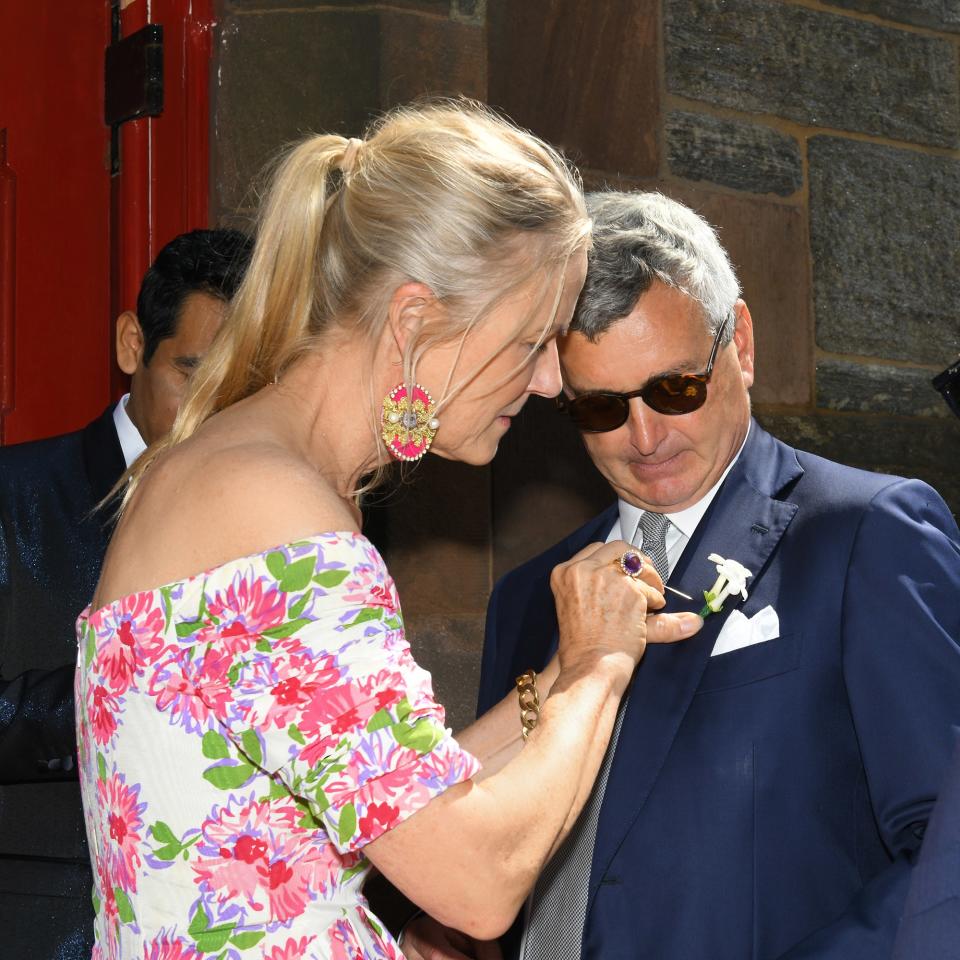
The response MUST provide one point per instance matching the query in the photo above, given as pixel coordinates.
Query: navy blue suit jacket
(770, 802)
(51, 550)
(930, 929)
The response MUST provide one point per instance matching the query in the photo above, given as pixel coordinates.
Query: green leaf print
(244, 941)
(379, 720)
(101, 768)
(91, 645)
(214, 939)
(170, 852)
(166, 599)
(393, 623)
(163, 834)
(251, 747)
(403, 709)
(96, 902)
(124, 906)
(187, 627)
(423, 736)
(348, 822)
(263, 646)
(285, 629)
(214, 746)
(365, 615)
(297, 575)
(276, 564)
(228, 777)
(293, 731)
(198, 922)
(331, 578)
(297, 608)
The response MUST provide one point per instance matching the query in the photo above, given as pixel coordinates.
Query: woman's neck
(327, 401)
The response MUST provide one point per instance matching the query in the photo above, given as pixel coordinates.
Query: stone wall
(820, 137)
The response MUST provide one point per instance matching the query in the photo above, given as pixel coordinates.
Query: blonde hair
(447, 194)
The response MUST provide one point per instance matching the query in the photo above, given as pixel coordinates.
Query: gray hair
(641, 237)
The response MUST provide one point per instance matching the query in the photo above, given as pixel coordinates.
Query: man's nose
(645, 426)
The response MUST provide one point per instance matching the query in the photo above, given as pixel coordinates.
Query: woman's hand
(604, 615)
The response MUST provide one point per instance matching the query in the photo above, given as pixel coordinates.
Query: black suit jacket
(51, 549)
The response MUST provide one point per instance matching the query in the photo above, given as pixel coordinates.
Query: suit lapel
(539, 634)
(745, 523)
(102, 454)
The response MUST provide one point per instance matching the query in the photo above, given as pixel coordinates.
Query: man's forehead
(631, 352)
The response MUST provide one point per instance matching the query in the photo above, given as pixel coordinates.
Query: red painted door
(75, 237)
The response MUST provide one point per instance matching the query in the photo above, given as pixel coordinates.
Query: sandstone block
(815, 67)
(733, 153)
(885, 239)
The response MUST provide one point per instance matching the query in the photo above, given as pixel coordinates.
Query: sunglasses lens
(598, 412)
(676, 395)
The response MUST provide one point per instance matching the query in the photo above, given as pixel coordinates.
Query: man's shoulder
(19, 461)
(829, 490)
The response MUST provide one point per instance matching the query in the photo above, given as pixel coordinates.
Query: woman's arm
(471, 856)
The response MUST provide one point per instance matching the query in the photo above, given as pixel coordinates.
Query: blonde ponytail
(448, 194)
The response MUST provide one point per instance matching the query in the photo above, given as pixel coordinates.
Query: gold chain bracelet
(529, 702)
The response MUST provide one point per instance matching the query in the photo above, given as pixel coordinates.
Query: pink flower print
(291, 950)
(131, 636)
(193, 686)
(102, 708)
(337, 710)
(258, 852)
(244, 611)
(383, 596)
(344, 944)
(118, 804)
(379, 818)
(165, 948)
(292, 682)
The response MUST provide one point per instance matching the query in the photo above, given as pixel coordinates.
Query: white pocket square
(739, 631)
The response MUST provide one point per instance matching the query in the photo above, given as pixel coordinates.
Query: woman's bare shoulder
(199, 508)
(267, 490)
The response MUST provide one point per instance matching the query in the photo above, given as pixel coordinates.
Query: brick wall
(821, 138)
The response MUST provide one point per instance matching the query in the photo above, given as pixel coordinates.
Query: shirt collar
(686, 521)
(131, 442)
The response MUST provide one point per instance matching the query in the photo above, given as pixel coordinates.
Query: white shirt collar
(131, 442)
(684, 521)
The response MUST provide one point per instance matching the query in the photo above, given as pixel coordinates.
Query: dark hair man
(52, 542)
(769, 788)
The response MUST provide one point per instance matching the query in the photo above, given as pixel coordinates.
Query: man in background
(53, 538)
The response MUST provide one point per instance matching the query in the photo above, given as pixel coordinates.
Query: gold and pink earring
(408, 423)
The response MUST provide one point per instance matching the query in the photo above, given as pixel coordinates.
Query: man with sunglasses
(770, 780)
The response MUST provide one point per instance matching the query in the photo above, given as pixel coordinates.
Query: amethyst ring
(630, 564)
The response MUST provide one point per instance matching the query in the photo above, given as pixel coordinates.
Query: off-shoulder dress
(243, 734)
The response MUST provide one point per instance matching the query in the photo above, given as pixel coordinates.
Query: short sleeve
(331, 704)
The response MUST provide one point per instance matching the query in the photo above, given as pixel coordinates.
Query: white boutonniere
(732, 578)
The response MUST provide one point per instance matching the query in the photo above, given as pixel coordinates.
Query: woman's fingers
(671, 627)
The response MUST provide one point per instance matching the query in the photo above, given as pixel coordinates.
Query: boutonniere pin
(731, 579)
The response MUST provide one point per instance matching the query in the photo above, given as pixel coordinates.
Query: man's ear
(130, 342)
(743, 339)
(411, 307)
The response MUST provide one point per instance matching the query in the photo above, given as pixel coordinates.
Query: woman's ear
(411, 307)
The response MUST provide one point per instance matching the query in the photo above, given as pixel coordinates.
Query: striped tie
(558, 904)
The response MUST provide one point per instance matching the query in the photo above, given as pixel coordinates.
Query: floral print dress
(243, 734)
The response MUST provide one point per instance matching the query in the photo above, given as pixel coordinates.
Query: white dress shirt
(682, 523)
(131, 442)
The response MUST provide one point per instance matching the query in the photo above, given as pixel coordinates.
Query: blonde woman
(254, 732)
